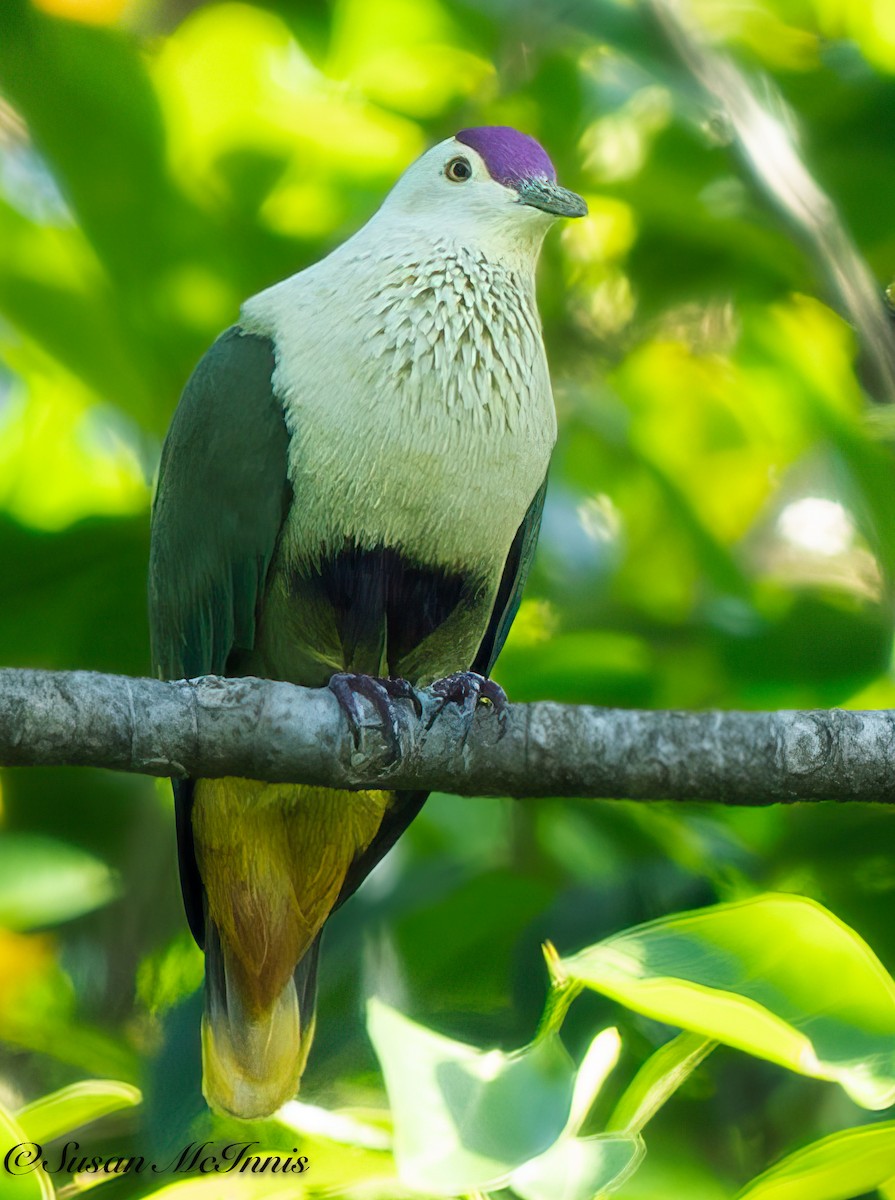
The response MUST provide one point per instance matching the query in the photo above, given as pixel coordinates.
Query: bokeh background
(718, 529)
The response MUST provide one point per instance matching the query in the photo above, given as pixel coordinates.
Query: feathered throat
(457, 329)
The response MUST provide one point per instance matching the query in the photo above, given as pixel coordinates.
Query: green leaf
(466, 1118)
(117, 179)
(53, 290)
(71, 1107)
(265, 1186)
(599, 1060)
(838, 1167)
(659, 1077)
(470, 923)
(43, 882)
(777, 976)
(679, 1166)
(57, 589)
(345, 1149)
(20, 1182)
(58, 1034)
(170, 973)
(344, 1128)
(576, 1168)
(579, 1168)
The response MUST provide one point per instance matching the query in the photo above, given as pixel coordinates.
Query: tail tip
(248, 1085)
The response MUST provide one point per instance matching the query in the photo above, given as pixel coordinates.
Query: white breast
(418, 399)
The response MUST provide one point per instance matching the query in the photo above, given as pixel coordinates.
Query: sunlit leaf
(311, 1120)
(339, 1169)
(576, 1168)
(777, 976)
(22, 1178)
(579, 1168)
(116, 179)
(63, 457)
(405, 55)
(54, 291)
(236, 85)
(596, 1066)
(43, 882)
(838, 1167)
(345, 1149)
(465, 1118)
(233, 1187)
(658, 1079)
(71, 1107)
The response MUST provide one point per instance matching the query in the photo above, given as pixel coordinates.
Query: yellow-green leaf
(44, 881)
(579, 1168)
(777, 976)
(71, 1107)
(466, 1118)
(838, 1167)
(21, 1175)
(659, 1077)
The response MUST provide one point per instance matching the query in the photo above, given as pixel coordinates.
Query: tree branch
(265, 730)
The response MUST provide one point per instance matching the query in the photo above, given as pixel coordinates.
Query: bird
(349, 496)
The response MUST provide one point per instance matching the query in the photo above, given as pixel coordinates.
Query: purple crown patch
(509, 155)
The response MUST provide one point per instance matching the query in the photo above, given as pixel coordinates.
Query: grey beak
(549, 197)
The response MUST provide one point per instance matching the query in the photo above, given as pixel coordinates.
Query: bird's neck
(509, 245)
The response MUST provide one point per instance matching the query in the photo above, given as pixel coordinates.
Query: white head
(490, 187)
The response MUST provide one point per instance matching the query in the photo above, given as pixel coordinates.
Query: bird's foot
(468, 690)
(352, 690)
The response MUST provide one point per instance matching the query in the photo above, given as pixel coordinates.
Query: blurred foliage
(718, 529)
(753, 975)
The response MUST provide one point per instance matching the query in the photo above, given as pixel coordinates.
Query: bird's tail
(252, 1061)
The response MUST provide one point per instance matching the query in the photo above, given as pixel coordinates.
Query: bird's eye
(458, 170)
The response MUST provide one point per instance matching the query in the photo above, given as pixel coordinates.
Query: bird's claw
(350, 690)
(468, 690)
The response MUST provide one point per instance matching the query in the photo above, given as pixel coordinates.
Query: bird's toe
(352, 690)
(467, 690)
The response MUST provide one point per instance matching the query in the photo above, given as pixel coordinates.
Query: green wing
(509, 594)
(222, 497)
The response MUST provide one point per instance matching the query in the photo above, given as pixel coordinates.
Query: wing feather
(509, 593)
(221, 500)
